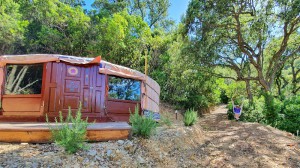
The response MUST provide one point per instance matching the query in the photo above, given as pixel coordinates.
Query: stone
(140, 160)
(120, 142)
(35, 165)
(99, 158)
(92, 152)
(108, 152)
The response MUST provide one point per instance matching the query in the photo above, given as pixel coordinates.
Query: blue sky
(176, 10)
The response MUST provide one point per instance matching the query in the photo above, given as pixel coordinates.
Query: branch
(30, 84)
(284, 43)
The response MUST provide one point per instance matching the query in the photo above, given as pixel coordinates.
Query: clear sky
(176, 10)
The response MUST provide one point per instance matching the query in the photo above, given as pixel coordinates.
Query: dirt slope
(239, 144)
(212, 142)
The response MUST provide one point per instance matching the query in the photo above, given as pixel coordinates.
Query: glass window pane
(124, 89)
(24, 79)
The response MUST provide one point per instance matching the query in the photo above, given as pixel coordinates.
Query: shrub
(290, 115)
(250, 112)
(272, 109)
(190, 117)
(141, 125)
(71, 132)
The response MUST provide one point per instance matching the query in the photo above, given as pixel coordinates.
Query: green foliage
(190, 117)
(233, 34)
(251, 112)
(141, 125)
(183, 82)
(56, 27)
(267, 109)
(121, 39)
(290, 115)
(152, 12)
(12, 26)
(272, 109)
(70, 133)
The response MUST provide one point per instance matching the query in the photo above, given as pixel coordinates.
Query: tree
(12, 27)
(55, 27)
(154, 12)
(121, 39)
(237, 35)
(74, 3)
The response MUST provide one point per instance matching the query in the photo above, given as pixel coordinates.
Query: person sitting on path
(237, 110)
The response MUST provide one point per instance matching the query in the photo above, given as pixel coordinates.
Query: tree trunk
(249, 93)
(10, 79)
(20, 79)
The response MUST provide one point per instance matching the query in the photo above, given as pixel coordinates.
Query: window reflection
(24, 79)
(124, 89)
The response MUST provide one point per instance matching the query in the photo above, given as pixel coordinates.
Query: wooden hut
(32, 86)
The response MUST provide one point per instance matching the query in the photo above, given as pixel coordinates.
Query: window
(24, 79)
(124, 89)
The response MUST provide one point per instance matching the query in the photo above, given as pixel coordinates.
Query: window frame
(121, 100)
(25, 95)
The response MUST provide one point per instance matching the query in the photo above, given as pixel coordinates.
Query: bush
(272, 109)
(141, 125)
(290, 115)
(190, 117)
(251, 112)
(71, 132)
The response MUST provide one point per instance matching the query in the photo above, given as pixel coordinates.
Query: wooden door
(98, 94)
(76, 88)
(71, 84)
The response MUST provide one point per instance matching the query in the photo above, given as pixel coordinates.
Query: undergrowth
(190, 117)
(142, 126)
(70, 133)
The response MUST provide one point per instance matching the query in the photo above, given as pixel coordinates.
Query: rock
(108, 152)
(160, 156)
(140, 160)
(92, 152)
(86, 160)
(99, 158)
(120, 142)
(35, 165)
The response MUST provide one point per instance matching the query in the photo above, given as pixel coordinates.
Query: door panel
(72, 88)
(75, 84)
(51, 95)
(98, 92)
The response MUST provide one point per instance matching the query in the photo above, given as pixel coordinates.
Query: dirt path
(240, 144)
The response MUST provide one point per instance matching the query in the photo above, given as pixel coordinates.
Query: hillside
(212, 142)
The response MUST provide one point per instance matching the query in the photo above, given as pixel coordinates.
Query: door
(71, 84)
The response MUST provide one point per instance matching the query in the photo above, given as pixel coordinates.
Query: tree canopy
(252, 38)
(221, 50)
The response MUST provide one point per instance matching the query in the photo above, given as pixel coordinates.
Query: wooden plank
(40, 133)
(45, 136)
(21, 104)
(25, 136)
(106, 135)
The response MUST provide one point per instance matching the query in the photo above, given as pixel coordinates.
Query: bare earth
(212, 142)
